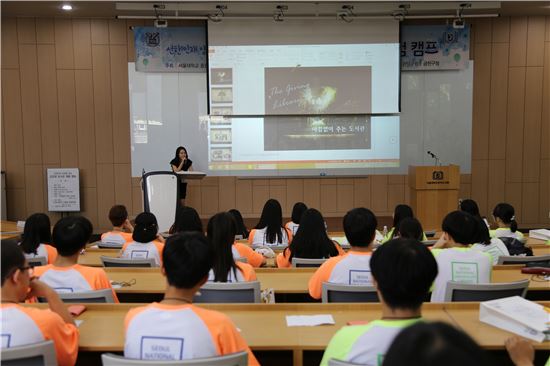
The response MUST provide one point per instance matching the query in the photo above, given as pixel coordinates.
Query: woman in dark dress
(181, 163)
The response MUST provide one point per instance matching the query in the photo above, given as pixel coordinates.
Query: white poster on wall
(63, 190)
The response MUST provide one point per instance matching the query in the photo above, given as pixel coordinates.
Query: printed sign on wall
(434, 47)
(63, 190)
(170, 49)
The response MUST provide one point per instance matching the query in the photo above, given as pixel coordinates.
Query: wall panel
(30, 104)
(514, 127)
(226, 194)
(82, 39)
(499, 94)
(64, 53)
(34, 188)
(67, 119)
(532, 125)
(481, 101)
(535, 40)
(518, 41)
(85, 127)
(102, 104)
(10, 54)
(47, 93)
(26, 31)
(44, 31)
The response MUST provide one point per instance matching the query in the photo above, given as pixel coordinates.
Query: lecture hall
(275, 183)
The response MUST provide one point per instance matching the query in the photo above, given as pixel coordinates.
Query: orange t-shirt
(283, 257)
(352, 268)
(179, 332)
(25, 325)
(120, 237)
(75, 278)
(44, 250)
(245, 251)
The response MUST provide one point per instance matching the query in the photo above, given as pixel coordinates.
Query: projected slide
(299, 143)
(317, 90)
(304, 80)
(303, 67)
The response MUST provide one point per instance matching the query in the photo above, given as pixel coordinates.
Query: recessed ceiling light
(67, 7)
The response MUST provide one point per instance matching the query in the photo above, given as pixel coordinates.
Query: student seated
(147, 242)
(242, 231)
(471, 207)
(70, 235)
(297, 211)
(400, 212)
(187, 219)
(221, 236)
(353, 267)
(270, 230)
(37, 238)
(311, 241)
(435, 343)
(21, 325)
(410, 228)
(122, 228)
(175, 329)
(403, 271)
(505, 218)
(494, 246)
(456, 260)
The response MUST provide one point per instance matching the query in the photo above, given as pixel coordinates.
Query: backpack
(516, 247)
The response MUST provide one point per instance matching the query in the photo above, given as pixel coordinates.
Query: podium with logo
(433, 193)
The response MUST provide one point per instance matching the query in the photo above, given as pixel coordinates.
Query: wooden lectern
(434, 193)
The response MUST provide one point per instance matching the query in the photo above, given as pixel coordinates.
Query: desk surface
(9, 230)
(287, 281)
(101, 317)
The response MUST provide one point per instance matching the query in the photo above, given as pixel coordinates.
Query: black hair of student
(360, 226)
(239, 222)
(146, 228)
(399, 213)
(187, 219)
(461, 226)
(118, 214)
(435, 343)
(220, 233)
(297, 211)
(404, 270)
(272, 220)
(410, 228)
(311, 239)
(71, 234)
(483, 236)
(187, 259)
(506, 213)
(12, 258)
(470, 206)
(37, 231)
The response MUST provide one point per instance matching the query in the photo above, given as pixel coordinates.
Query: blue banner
(170, 49)
(434, 47)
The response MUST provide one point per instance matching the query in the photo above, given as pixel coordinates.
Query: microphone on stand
(434, 157)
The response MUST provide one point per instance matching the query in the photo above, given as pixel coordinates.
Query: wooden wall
(65, 104)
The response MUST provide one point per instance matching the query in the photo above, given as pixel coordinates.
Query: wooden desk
(9, 230)
(541, 250)
(283, 281)
(102, 329)
(91, 256)
(466, 316)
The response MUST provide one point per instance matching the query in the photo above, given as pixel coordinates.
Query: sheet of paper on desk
(517, 315)
(308, 320)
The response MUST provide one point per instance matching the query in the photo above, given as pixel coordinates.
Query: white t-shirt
(460, 265)
(136, 250)
(259, 238)
(496, 248)
(506, 233)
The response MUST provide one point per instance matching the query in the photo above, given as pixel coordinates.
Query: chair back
(457, 291)
(229, 292)
(512, 259)
(307, 262)
(109, 245)
(36, 354)
(336, 292)
(37, 261)
(335, 362)
(233, 359)
(123, 262)
(97, 296)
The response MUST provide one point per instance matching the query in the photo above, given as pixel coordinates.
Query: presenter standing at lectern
(182, 163)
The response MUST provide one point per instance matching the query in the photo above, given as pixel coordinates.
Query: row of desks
(92, 256)
(102, 328)
(282, 280)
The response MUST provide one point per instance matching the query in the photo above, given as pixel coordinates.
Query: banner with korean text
(176, 49)
(434, 47)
